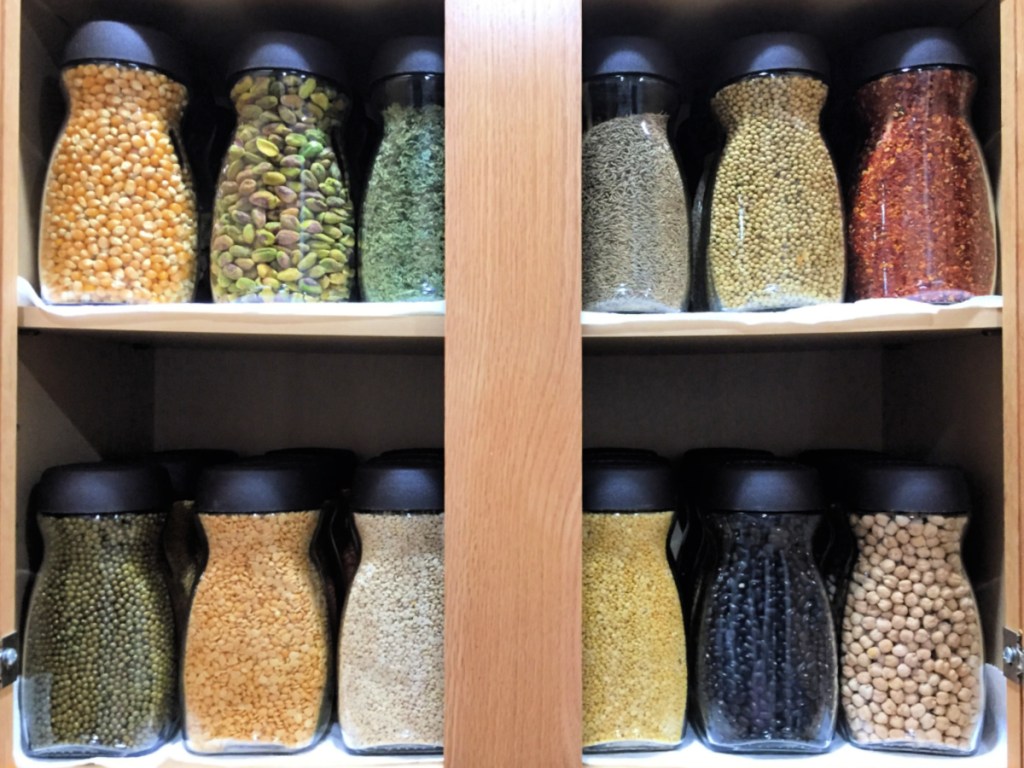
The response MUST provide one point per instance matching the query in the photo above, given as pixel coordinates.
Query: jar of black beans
(100, 666)
(766, 655)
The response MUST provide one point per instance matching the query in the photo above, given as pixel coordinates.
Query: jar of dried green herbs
(401, 237)
(636, 233)
(99, 673)
(283, 220)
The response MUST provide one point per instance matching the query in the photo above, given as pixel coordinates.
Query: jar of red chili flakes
(118, 220)
(922, 222)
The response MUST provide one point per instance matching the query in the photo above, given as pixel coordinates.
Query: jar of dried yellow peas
(118, 219)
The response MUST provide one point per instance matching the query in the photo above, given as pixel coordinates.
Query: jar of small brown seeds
(118, 220)
(911, 655)
(258, 661)
(391, 649)
(773, 235)
(634, 646)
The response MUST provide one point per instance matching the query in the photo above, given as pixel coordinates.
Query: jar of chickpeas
(118, 220)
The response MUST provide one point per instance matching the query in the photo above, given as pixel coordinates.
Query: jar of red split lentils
(118, 220)
(922, 223)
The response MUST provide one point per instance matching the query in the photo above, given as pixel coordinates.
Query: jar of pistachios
(773, 231)
(283, 221)
(99, 673)
(118, 223)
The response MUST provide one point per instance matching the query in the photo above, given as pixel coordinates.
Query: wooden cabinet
(512, 378)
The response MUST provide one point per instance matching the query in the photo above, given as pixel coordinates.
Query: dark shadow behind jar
(99, 667)
(391, 649)
(182, 536)
(911, 651)
(922, 219)
(118, 226)
(636, 233)
(772, 235)
(766, 659)
(634, 646)
(401, 234)
(283, 215)
(258, 661)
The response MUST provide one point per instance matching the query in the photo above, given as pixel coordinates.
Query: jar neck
(768, 533)
(614, 96)
(135, 536)
(412, 91)
(130, 91)
(919, 531)
(784, 99)
(282, 101)
(249, 541)
(917, 94)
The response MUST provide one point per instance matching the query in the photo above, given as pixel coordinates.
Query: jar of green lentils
(634, 647)
(772, 237)
(99, 672)
(283, 221)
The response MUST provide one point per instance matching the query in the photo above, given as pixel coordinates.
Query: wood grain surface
(513, 384)
(10, 26)
(1012, 176)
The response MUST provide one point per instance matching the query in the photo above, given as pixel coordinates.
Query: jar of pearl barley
(772, 237)
(118, 218)
(911, 648)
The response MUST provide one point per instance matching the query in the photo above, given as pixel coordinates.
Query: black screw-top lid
(910, 487)
(260, 485)
(408, 56)
(838, 467)
(396, 484)
(183, 467)
(102, 488)
(128, 43)
(630, 56)
(643, 485)
(911, 48)
(290, 51)
(337, 465)
(764, 485)
(771, 52)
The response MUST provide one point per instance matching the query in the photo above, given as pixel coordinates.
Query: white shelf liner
(868, 316)
(992, 752)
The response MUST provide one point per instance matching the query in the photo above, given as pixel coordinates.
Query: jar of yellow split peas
(118, 220)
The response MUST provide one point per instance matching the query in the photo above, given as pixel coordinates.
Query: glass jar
(391, 651)
(911, 649)
(118, 223)
(182, 537)
(695, 468)
(636, 230)
(337, 544)
(258, 666)
(99, 665)
(634, 647)
(401, 237)
(774, 237)
(283, 222)
(766, 645)
(834, 545)
(922, 221)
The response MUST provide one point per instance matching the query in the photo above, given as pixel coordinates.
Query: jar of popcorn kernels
(911, 675)
(118, 219)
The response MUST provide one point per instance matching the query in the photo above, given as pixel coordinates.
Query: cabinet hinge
(1013, 655)
(10, 663)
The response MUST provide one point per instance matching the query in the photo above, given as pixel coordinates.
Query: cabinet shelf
(992, 753)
